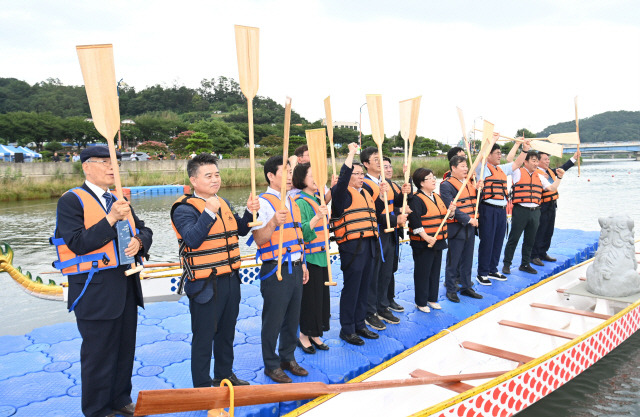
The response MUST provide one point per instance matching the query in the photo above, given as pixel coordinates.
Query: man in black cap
(103, 298)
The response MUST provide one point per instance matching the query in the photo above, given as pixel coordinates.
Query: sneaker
(527, 268)
(497, 276)
(374, 322)
(424, 309)
(388, 317)
(483, 280)
(434, 306)
(506, 269)
(537, 261)
(393, 306)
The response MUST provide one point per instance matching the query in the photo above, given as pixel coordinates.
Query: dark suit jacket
(194, 227)
(460, 229)
(105, 296)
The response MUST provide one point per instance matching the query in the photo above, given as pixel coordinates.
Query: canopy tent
(8, 153)
(28, 153)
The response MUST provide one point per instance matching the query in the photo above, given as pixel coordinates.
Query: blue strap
(286, 226)
(272, 248)
(319, 228)
(94, 269)
(380, 243)
(80, 259)
(313, 245)
(285, 258)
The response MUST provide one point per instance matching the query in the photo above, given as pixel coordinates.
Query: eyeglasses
(358, 174)
(104, 162)
(429, 178)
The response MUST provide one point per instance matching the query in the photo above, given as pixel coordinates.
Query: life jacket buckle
(105, 260)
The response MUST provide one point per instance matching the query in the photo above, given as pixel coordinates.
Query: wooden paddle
(487, 143)
(569, 138)
(247, 49)
(317, 143)
(575, 100)
(327, 112)
(194, 399)
(409, 111)
(374, 104)
(542, 145)
(283, 184)
(99, 74)
(464, 132)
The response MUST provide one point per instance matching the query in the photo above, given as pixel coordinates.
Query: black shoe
(294, 368)
(527, 268)
(277, 375)
(320, 346)
(388, 317)
(548, 258)
(469, 292)
(235, 381)
(506, 269)
(310, 350)
(127, 410)
(375, 322)
(352, 338)
(497, 276)
(453, 297)
(367, 334)
(393, 306)
(537, 261)
(483, 280)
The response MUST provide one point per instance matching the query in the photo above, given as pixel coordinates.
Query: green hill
(611, 126)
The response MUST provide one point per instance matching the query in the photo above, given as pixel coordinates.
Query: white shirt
(209, 211)
(266, 212)
(515, 176)
(99, 192)
(374, 179)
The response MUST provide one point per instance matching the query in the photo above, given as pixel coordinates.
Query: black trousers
(214, 322)
(459, 263)
(545, 229)
(106, 359)
(356, 272)
(522, 220)
(378, 298)
(315, 310)
(493, 226)
(280, 314)
(426, 274)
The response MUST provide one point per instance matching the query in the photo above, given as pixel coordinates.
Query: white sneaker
(483, 280)
(424, 309)
(434, 306)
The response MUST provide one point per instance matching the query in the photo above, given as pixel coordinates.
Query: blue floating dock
(40, 371)
(154, 190)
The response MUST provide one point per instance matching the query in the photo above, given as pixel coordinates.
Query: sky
(513, 63)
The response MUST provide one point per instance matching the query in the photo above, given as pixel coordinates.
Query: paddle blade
(487, 139)
(98, 71)
(374, 104)
(570, 138)
(462, 125)
(409, 111)
(247, 49)
(317, 143)
(554, 149)
(329, 120)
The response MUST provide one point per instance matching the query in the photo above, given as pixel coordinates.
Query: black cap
(96, 152)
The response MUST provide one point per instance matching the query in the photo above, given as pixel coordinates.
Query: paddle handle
(333, 154)
(389, 229)
(326, 243)
(406, 176)
(484, 166)
(577, 130)
(252, 160)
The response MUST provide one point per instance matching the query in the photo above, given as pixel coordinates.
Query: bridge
(612, 149)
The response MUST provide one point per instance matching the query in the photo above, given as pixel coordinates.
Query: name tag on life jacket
(124, 238)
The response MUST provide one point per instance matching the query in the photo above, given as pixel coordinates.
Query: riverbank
(47, 180)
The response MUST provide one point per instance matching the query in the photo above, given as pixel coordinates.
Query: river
(611, 387)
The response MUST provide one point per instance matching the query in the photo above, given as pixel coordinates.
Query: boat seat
(571, 311)
(458, 387)
(537, 329)
(500, 353)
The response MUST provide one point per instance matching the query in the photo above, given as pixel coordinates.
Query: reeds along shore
(18, 188)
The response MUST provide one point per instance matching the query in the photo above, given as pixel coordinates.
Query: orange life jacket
(431, 220)
(358, 220)
(528, 189)
(495, 185)
(467, 200)
(317, 244)
(375, 188)
(292, 241)
(548, 196)
(446, 175)
(219, 254)
(396, 191)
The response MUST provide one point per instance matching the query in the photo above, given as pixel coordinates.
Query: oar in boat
(247, 43)
(283, 180)
(99, 74)
(487, 142)
(464, 132)
(327, 111)
(409, 111)
(194, 399)
(374, 104)
(317, 143)
(575, 100)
